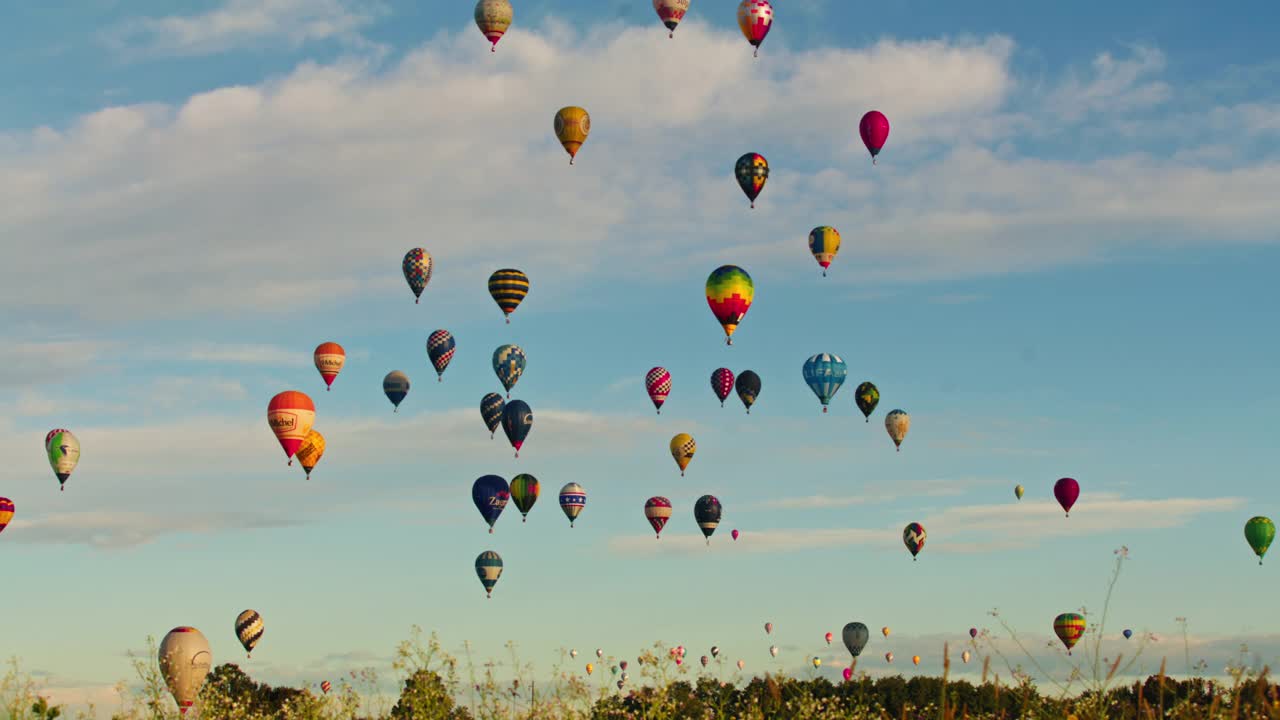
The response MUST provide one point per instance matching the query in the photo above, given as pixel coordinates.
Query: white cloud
(237, 23)
(1115, 85)
(882, 493)
(32, 363)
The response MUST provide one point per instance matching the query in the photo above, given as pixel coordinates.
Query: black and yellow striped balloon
(508, 287)
(249, 630)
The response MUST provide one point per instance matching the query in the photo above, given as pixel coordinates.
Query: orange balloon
(291, 415)
(915, 659)
(329, 359)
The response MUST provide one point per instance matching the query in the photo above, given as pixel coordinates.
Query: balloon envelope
(825, 373)
(329, 357)
(752, 172)
(1128, 633)
(748, 387)
(722, 383)
(897, 423)
(508, 287)
(493, 17)
(491, 407)
(291, 415)
(913, 536)
(682, 449)
(1018, 490)
(671, 12)
(488, 569)
(6, 512)
(490, 493)
(517, 421)
(755, 18)
(706, 511)
(572, 500)
(1259, 531)
(508, 364)
(1069, 627)
(729, 294)
(310, 451)
(657, 382)
(417, 267)
(249, 629)
(855, 637)
(874, 129)
(63, 450)
(657, 510)
(185, 660)
(395, 386)
(572, 125)
(824, 243)
(440, 349)
(1066, 490)
(867, 396)
(524, 492)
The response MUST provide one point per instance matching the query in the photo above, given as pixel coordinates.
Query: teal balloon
(488, 569)
(825, 373)
(508, 365)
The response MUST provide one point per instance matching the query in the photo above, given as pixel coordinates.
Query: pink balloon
(734, 534)
(848, 673)
(874, 130)
(1066, 491)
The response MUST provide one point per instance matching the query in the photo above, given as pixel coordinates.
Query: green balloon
(1260, 531)
(867, 396)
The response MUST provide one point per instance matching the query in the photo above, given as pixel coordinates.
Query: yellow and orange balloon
(572, 126)
(291, 415)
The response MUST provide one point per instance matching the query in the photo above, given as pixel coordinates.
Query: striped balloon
(658, 384)
(508, 288)
(682, 449)
(325, 687)
(508, 364)
(440, 349)
(329, 357)
(249, 630)
(1069, 627)
(524, 493)
(6, 512)
(493, 17)
(671, 12)
(572, 500)
(729, 294)
(488, 569)
(913, 536)
(491, 407)
(396, 386)
(722, 383)
(658, 510)
(825, 373)
(706, 512)
(417, 271)
(290, 415)
(824, 243)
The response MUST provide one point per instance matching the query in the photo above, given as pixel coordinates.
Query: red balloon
(874, 130)
(1067, 491)
(734, 534)
(848, 673)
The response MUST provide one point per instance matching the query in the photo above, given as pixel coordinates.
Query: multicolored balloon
(63, 450)
(671, 12)
(748, 387)
(729, 294)
(1069, 627)
(572, 500)
(185, 660)
(1018, 490)
(1259, 531)
(329, 358)
(885, 631)
(440, 349)
(897, 423)
(310, 451)
(657, 510)
(888, 657)
(657, 382)
(816, 662)
(773, 650)
(572, 126)
(508, 287)
(517, 421)
(488, 569)
(396, 386)
(824, 243)
(417, 267)
(722, 383)
(491, 407)
(682, 449)
(249, 630)
(825, 373)
(855, 636)
(6, 512)
(325, 687)
(1067, 491)
(490, 493)
(913, 537)
(706, 512)
(524, 493)
(290, 415)
(755, 18)
(752, 172)
(48, 437)
(867, 397)
(874, 129)
(964, 656)
(715, 651)
(493, 17)
(508, 364)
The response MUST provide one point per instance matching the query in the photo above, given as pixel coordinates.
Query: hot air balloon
(395, 385)
(888, 657)
(6, 512)
(290, 415)
(855, 637)
(249, 630)
(508, 365)
(973, 632)
(734, 534)
(722, 383)
(493, 17)
(755, 17)
(490, 493)
(748, 387)
(325, 687)
(816, 662)
(488, 569)
(867, 396)
(824, 243)
(682, 449)
(658, 384)
(705, 661)
(440, 349)
(572, 500)
(913, 537)
(417, 267)
(828, 637)
(524, 493)
(847, 674)
(768, 628)
(517, 421)
(185, 660)
(573, 653)
(63, 449)
(897, 423)
(715, 651)
(599, 653)
(915, 659)
(885, 631)
(1259, 531)
(741, 664)
(491, 407)
(671, 12)
(657, 509)
(48, 437)
(773, 650)
(329, 358)
(1069, 627)
(964, 656)
(1127, 633)
(1066, 490)
(572, 126)
(874, 129)
(825, 373)
(752, 172)
(508, 288)
(729, 294)
(1018, 490)
(707, 514)
(310, 451)
(590, 668)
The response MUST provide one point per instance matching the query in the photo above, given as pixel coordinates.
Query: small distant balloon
(490, 493)
(572, 125)
(828, 637)
(768, 628)
(310, 451)
(913, 536)
(741, 664)
(396, 386)
(488, 569)
(491, 407)
(855, 637)
(572, 500)
(773, 650)
(915, 659)
(517, 421)
(63, 448)
(729, 291)
(1127, 633)
(508, 288)
(440, 349)
(973, 632)
(867, 396)
(508, 364)
(847, 673)
(734, 534)
(824, 243)
(888, 657)
(290, 415)
(417, 266)
(1018, 490)
(671, 12)
(752, 172)
(1259, 531)
(897, 423)
(705, 661)
(817, 662)
(325, 687)
(825, 373)
(657, 510)
(682, 449)
(885, 631)
(657, 382)
(6, 512)
(524, 493)
(329, 357)
(722, 383)
(249, 630)
(1069, 627)
(590, 668)
(1067, 491)
(964, 656)
(706, 512)
(748, 387)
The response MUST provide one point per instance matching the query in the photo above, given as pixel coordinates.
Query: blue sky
(1062, 266)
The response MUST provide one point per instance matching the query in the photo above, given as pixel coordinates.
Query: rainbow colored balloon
(729, 294)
